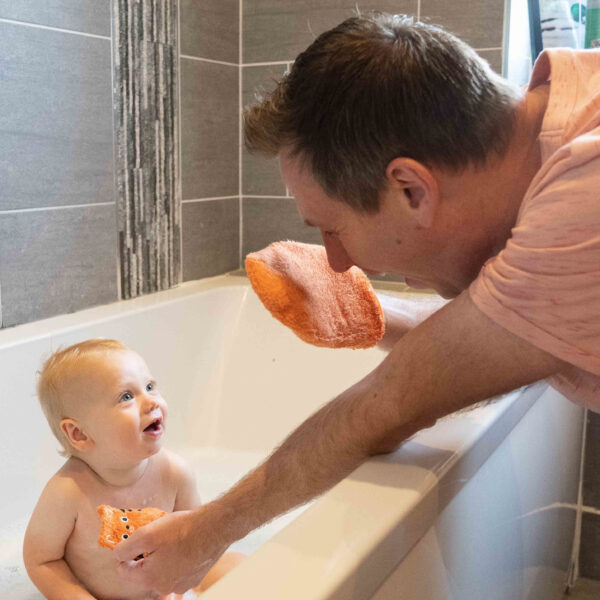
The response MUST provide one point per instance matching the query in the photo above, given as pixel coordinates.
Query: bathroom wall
(58, 211)
(275, 33)
(57, 201)
(210, 167)
(589, 558)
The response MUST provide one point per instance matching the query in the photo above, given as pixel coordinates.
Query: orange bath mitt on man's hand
(324, 308)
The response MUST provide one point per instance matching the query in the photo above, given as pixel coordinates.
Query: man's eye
(126, 397)
(149, 387)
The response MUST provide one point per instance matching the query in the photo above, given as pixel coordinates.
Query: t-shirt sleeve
(544, 286)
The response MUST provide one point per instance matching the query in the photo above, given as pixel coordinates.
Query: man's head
(377, 88)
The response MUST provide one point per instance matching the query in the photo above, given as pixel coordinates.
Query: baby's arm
(49, 529)
(187, 496)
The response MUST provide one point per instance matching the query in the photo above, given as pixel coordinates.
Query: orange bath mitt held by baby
(117, 524)
(296, 284)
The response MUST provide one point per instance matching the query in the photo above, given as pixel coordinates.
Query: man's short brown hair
(376, 88)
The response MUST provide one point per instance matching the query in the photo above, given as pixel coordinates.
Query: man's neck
(486, 201)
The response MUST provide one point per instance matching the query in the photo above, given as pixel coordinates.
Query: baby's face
(120, 406)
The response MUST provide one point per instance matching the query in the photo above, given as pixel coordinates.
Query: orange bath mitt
(296, 284)
(116, 524)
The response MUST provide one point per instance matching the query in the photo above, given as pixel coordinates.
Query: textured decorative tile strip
(146, 124)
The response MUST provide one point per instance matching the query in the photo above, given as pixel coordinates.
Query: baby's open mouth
(154, 427)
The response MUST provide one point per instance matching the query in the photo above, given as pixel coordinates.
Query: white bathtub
(482, 505)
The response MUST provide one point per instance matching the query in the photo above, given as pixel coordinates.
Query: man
(411, 156)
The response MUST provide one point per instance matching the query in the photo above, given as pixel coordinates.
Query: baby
(107, 412)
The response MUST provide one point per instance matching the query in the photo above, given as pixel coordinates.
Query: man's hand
(180, 551)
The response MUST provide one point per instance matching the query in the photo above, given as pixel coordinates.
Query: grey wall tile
(589, 556)
(88, 16)
(494, 58)
(211, 237)
(267, 220)
(480, 24)
(281, 30)
(56, 145)
(210, 29)
(591, 470)
(209, 129)
(260, 174)
(56, 261)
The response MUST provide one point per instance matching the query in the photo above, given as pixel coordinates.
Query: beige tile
(260, 174)
(494, 58)
(210, 231)
(591, 470)
(589, 552)
(281, 30)
(88, 16)
(267, 220)
(584, 589)
(209, 129)
(480, 23)
(210, 29)
(58, 261)
(56, 142)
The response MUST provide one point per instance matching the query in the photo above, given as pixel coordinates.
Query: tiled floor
(584, 589)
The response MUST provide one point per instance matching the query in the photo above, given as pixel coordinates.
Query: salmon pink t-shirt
(544, 286)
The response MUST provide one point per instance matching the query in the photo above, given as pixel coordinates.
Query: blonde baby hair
(53, 377)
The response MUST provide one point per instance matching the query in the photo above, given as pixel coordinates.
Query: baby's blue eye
(126, 397)
(149, 387)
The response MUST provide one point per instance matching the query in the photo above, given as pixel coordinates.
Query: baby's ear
(75, 434)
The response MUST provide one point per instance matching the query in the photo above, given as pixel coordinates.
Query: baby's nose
(149, 404)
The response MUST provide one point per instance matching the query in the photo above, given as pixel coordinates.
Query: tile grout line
(267, 197)
(266, 64)
(209, 60)
(66, 206)
(180, 143)
(240, 154)
(58, 29)
(192, 200)
(114, 148)
(287, 190)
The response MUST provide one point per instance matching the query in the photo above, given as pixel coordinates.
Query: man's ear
(417, 186)
(76, 435)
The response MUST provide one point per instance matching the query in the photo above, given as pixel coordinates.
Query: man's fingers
(128, 550)
(132, 570)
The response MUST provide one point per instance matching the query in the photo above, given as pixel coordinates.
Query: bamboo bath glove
(324, 308)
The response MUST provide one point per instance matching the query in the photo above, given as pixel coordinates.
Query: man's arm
(450, 361)
(404, 313)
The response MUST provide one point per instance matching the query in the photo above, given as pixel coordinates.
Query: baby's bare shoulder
(172, 462)
(71, 482)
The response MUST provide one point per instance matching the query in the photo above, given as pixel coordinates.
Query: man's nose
(337, 257)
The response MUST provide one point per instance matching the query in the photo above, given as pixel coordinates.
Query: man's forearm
(403, 314)
(447, 363)
(326, 448)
